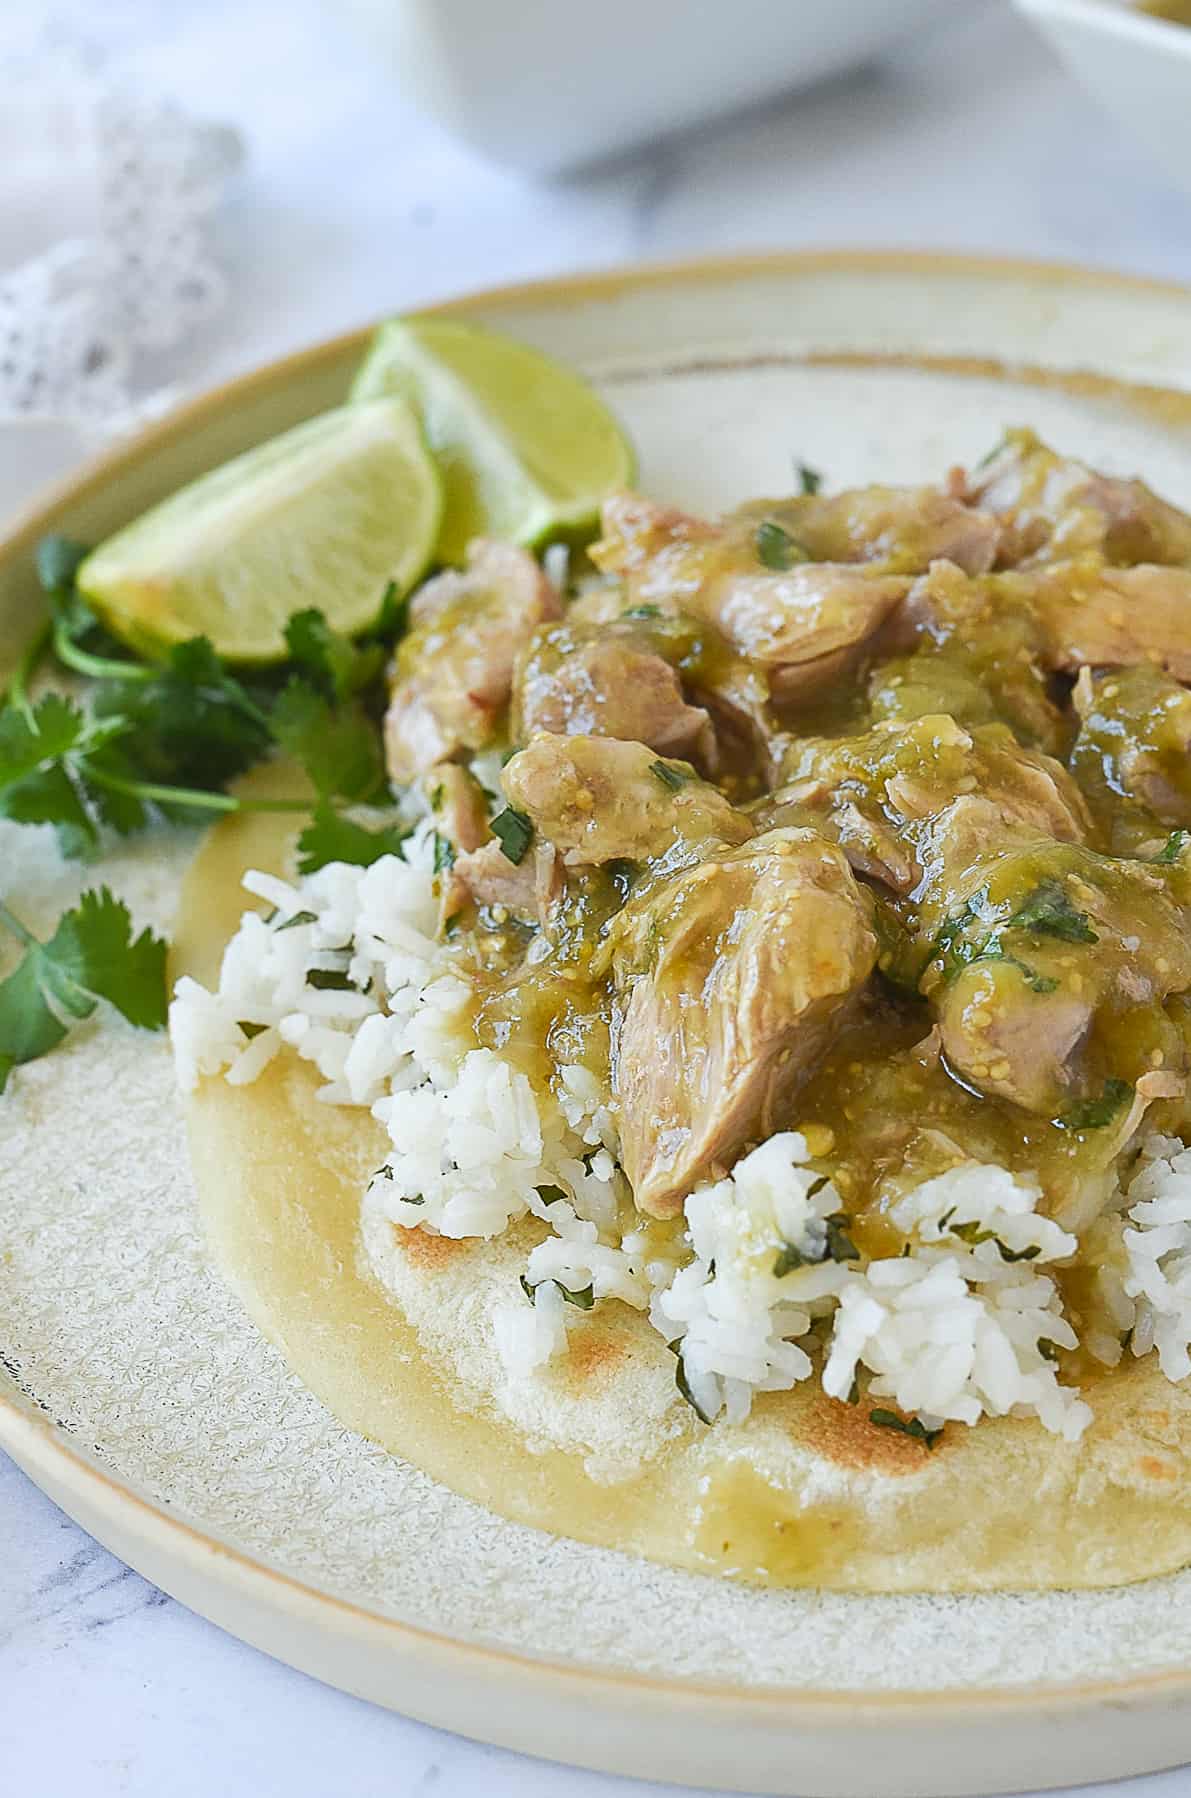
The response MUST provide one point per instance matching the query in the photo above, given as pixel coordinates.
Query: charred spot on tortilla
(427, 1250)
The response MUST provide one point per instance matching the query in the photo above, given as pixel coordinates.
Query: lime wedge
(326, 515)
(526, 449)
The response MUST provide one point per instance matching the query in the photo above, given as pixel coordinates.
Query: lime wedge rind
(328, 514)
(527, 448)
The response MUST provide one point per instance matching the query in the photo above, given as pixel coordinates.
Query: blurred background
(189, 187)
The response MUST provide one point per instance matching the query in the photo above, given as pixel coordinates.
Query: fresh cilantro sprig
(338, 746)
(168, 737)
(54, 761)
(332, 664)
(165, 738)
(92, 955)
(62, 766)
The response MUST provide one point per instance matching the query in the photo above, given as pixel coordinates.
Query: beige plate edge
(777, 1739)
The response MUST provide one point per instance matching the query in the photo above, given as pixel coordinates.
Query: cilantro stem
(12, 922)
(22, 674)
(97, 667)
(108, 668)
(192, 796)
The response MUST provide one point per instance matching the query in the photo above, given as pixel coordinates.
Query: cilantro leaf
(394, 615)
(54, 727)
(582, 1297)
(837, 1246)
(331, 980)
(330, 837)
(191, 724)
(28, 1027)
(1094, 1114)
(684, 1385)
(91, 956)
(42, 768)
(338, 746)
(671, 777)
(1037, 983)
(94, 948)
(124, 812)
(787, 1259)
(331, 662)
(1049, 912)
(952, 945)
(58, 560)
(296, 918)
(49, 796)
(1174, 845)
(776, 548)
(907, 1426)
(515, 833)
(840, 1246)
(809, 479)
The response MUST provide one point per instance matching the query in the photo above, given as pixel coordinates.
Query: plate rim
(32, 1441)
(563, 290)
(39, 1449)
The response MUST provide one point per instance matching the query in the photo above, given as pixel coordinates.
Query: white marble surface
(349, 207)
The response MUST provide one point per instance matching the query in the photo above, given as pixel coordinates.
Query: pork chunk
(877, 794)
(526, 889)
(731, 978)
(598, 799)
(1135, 740)
(802, 622)
(1054, 506)
(1107, 617)
(612, 684)
(453, 671)
(459, 805)
(1033, 949)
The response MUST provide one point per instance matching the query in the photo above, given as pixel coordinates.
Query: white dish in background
(1137, 65)
(544, 85)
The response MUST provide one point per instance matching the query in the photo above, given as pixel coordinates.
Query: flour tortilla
(599, 1446)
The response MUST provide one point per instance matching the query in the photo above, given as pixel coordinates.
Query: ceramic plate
(140, 1396)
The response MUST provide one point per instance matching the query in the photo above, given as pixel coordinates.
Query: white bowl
(544, 85)
(1137, 66)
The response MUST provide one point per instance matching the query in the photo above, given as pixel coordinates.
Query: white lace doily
(107, 196)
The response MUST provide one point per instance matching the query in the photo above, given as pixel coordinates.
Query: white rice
(961, 1325)
(735, 1314)
(1159, 1254)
